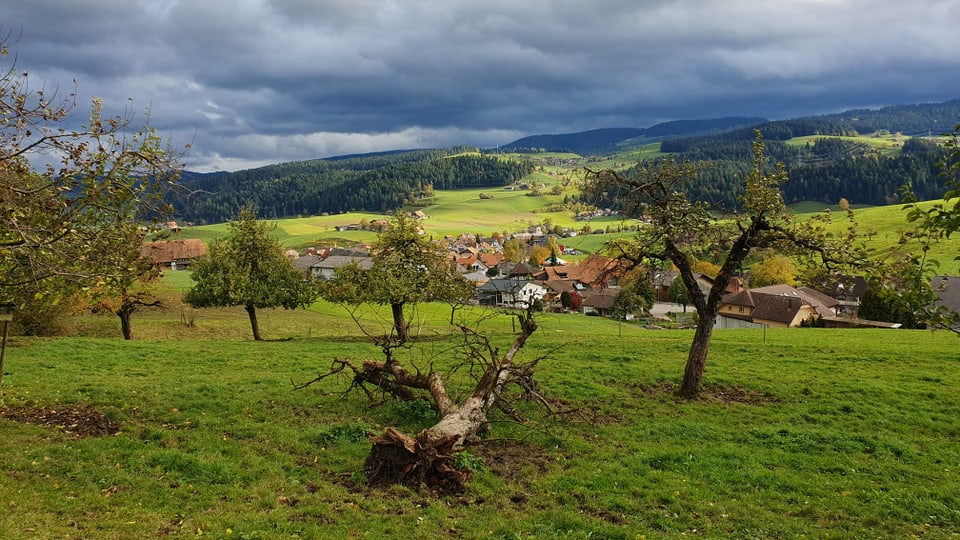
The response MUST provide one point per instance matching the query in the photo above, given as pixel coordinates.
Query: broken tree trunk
(427, 459)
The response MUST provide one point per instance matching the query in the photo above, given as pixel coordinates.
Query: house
(749, 309)
(776, 306)
(509, 293)
(598, 301)
(848, 290)
(470, 262)
(326, 267)
(558, 273)
(491, 260)
(305, 262)
(597, 271)
(662, 280)
(519, 271)
(556, 288)
(173, 254)
(824, 305)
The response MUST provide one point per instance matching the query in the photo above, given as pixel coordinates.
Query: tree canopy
(407, 269)
(72, 195)
(911, 279)
(248, 268)
(681, 231)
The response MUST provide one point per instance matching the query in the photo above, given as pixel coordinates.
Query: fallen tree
(427, 459)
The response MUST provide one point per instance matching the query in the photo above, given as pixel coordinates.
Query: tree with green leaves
(132, 281)
(681, 228)
(248, 268)
(913, 277)
(408, 269)
(70, 194)
(635, 296)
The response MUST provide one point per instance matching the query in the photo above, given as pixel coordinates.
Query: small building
(326, 267)
(776, 306)
(598, 301)
(173, 254)
(509, 293)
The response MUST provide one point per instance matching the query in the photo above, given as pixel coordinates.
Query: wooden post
(6, 315)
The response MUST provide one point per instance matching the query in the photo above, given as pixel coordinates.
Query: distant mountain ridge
(608, 139)
(384, 181)
(913, 120)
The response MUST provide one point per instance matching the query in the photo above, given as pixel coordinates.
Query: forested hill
(375, 182)
(829, 168)
(605, 141)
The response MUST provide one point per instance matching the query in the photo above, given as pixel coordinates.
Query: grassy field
(801, 433)
(887, 144)
(460, 211)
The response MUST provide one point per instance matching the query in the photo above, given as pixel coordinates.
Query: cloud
(256, 81)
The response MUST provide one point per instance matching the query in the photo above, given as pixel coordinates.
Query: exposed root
(397, 458)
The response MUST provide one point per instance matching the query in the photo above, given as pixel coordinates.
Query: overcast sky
(250, 82)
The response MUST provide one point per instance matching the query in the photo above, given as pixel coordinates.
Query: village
(591, 285)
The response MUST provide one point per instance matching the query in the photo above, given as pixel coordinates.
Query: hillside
(828, 158)
(373, 183)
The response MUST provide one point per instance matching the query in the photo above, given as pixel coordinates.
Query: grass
(887, 144)
(801, 433)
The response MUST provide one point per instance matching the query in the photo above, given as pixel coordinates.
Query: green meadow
(454, 212)
(800, 433)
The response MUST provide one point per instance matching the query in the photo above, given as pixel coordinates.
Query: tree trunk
(125, 328)
(252, 313)
(400, 323)
(697, 358)
(427, 459)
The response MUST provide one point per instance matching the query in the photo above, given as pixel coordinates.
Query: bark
(400, 323)
(254, 325)
(697, 358)
(125, 328)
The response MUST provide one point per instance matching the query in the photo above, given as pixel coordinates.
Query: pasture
(193, 430)
(455, 212)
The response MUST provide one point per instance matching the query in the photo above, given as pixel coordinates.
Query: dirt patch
(77, 421)
(715, 393)
(512, 460)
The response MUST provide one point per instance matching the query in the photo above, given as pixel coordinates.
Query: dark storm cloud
(257, 81)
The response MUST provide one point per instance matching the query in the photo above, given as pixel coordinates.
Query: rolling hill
(834, 159)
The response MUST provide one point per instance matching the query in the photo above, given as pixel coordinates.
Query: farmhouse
(776, 306)
(326, 267)
(509, 293)
(173, 254)
(749, 309)
(598, 301)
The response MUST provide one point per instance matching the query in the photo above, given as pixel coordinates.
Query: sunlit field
(812, 433)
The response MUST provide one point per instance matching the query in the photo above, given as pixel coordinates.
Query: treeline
(825, 171)
(376, 183)
(784, 130)
(608, 140)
